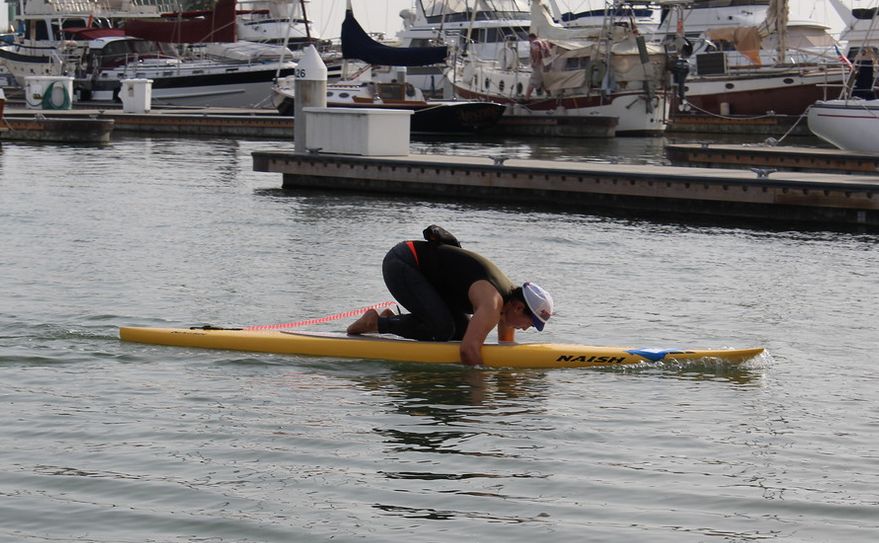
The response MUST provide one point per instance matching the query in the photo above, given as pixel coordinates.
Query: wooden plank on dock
(181, 121)
(54, 129)
(767, 125)
(780, 157)
(785, 196)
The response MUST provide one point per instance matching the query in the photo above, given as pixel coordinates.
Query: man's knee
(445, 331)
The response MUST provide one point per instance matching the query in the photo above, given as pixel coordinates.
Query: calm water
(112, 442)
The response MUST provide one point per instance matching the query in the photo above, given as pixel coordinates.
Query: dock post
(310, 90)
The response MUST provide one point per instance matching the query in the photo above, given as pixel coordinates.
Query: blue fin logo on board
(654, 355)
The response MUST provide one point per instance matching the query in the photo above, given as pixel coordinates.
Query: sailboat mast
(781, 18)
(470, 26)
(305, 19)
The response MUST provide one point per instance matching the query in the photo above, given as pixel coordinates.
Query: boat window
(619, 13)
(390, 91)
(480, 16)
(74, 23)
(500, 85)
(576, 63)
(519, 88)
(702, 4)
(41, 31)
(344, 95)
(500, 35)
(855, 51)
(330, 94)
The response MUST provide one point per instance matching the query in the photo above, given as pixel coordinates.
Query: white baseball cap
(539, 304)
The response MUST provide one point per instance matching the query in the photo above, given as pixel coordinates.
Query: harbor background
(113, 442)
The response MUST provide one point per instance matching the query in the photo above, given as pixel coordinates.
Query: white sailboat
(772, 67)
(483, 28)
(196, 62)
(852, 121)
(278, 22)
(607, 72)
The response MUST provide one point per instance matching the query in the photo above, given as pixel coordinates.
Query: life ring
(596, 70)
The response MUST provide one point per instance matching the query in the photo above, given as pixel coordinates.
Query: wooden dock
(555, 126)
(265, 123)
(804, 159)
(768, 125)
(53, 129)
(788, 197)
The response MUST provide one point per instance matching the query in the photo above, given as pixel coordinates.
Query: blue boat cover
(357, 44)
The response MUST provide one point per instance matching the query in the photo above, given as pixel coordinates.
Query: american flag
(844, 59)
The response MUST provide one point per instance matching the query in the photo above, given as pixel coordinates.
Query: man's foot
(367, 323)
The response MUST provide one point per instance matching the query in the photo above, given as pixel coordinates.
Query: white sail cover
(543, 26)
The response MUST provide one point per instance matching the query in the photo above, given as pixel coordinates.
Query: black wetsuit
(432, 281)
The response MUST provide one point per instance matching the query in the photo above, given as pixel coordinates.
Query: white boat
(852, 121)
(612, 72)
(428, 116)
(645, 16)
(482, 28)
(756, 68)
(382, 84)
(53, 34)
(276, 22)
(852, 125)
(86, 41)
(237, 74)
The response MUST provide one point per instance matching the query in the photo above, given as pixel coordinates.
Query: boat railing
(131, 8)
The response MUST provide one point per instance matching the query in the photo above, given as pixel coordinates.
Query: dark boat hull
(436, 117)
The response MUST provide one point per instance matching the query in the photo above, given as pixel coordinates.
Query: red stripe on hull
(545, 104)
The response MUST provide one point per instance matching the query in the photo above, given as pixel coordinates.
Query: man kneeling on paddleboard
(442, 285)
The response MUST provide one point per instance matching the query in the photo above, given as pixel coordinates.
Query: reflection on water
(449, 395)
(251, 447)
(452, 406)
(436, 514)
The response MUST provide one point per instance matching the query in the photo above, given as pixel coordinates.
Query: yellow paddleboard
(513, 355)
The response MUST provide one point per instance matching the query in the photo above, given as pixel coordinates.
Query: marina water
(112, 442)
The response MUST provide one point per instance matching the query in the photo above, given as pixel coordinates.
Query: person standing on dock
(453, 294)
(539, 53)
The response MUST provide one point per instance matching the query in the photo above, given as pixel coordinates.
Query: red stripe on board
(319, 320)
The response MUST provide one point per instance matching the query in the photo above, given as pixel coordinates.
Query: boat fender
(467, 72)
(680, 69)
(507, 58)
(438, 235)
(596, 72)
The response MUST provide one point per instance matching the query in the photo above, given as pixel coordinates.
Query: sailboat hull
(852, 125)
